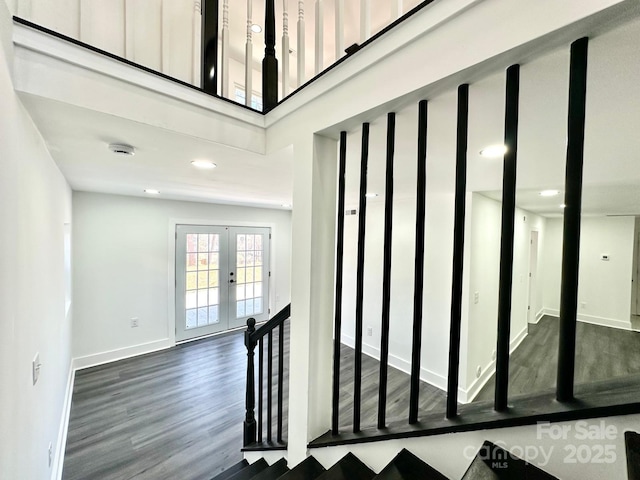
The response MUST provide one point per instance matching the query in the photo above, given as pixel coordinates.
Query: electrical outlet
(35, 368)
(369, 331)
(50, 454)
(476, 297)
(583, 304)
(134, 322)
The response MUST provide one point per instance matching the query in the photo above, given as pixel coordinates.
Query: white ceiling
(78, 139)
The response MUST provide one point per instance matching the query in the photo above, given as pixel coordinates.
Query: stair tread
(406, 466)
(308, 469)
(495, 463)
(250, 471)
(232, 470)
(273, 472)
(348, 468)
(632, 446)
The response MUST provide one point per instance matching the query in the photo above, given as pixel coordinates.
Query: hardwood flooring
(602, 353)
(178, 413)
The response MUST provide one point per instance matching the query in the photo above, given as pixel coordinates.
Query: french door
(222, 278)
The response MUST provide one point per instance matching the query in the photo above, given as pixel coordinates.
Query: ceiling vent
(120, 149)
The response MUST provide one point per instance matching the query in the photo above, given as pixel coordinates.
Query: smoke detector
(121, 149)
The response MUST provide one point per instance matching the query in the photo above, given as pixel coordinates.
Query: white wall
(484, 269)
(123, 263)
(603, 286)
(35, 204)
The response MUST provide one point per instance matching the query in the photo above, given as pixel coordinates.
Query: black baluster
(458, 251)
(269, 384)
(362, 224)
(386, 271)
(572, 212)
(337, 334)
(249, 435)
(260, 387)
(269, 63)
(209, 69)
(418, 282)
(506, 236)
(280, 381)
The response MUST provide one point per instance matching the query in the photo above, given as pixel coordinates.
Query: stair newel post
(269, 63)
(250, 418)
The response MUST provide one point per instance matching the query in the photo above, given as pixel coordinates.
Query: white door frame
(171, 281)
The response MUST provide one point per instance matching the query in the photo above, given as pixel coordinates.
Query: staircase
(490, 463)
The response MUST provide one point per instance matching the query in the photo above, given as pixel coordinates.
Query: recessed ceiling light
(204, 164)
(122, 149)
(286, 205)
(255, 28)
(562, 205)
(371, 195)
(549, 193)
(152, 191)
(493, 151)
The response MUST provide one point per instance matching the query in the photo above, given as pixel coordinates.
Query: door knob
(232, 281)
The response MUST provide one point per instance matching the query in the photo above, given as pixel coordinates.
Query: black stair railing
(253, 429)
(571, 250)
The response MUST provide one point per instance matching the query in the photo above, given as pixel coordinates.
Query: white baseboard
(426, 375)
(81, 363)
(467, 396)
(58, 460)
(594, 320)
(539, 316)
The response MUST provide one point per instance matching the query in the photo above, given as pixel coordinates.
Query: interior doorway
(222, 278)
(532, 314)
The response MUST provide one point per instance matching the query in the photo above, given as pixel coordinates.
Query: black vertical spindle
(269, 384)
(506, 239)
(418, 283)
(269, 63)
(386, 271)
(249, 431)
(337, 334)
(362, 223)
(458, 250)
(260, 387)
(572, 211)
(209, 68)
(280, 381)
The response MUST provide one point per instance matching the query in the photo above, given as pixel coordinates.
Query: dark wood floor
(602, 353)
(178, 413)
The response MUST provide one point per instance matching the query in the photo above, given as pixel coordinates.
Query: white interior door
(222, 278)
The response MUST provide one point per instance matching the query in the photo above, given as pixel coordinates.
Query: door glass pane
(203, 319)
(213, 315)
(192, 262)
(191, 299)
(203, 281)
(192, 318)
(203, 243)
(214, 296)
(249, 253)
(213, 278)
(192, 242)
(192, 281)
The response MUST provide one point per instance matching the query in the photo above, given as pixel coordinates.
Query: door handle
(232, 281)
